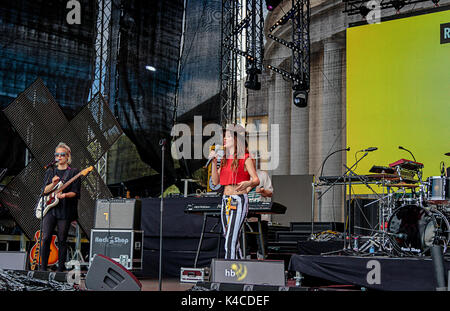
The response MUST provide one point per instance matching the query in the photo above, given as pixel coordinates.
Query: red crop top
(230, 176)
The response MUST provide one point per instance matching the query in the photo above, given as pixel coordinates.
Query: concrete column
(299, 140)
(280, 114)
(332, 133)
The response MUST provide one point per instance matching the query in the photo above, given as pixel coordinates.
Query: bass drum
(414, 229)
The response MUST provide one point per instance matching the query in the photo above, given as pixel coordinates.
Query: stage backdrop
(398, 92)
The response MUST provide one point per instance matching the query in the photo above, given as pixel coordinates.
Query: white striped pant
(233, 214)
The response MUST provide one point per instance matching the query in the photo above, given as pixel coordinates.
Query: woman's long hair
(240, 145)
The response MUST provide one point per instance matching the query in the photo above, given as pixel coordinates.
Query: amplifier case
(194, 275)
(123, 246)
(118, 214)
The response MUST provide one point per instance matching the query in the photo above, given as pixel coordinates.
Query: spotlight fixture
(150, 68)
(272, 4)
(252, 82)
(364, 10)
(300, 95)
(300, 98)
(398, 4)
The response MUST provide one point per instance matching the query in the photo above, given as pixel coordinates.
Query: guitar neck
(67, 184)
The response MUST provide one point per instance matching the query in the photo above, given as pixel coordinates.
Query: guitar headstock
(87, 170)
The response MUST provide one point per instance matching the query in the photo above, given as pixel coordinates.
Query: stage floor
(371, 272)
(170, 284)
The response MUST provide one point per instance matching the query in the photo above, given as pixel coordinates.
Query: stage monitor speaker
(294, 192)
(107, 275)
(256, 272)
(118, 214)
(13, 260)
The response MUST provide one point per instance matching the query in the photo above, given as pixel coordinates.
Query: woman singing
(237, 174)
(65, 212)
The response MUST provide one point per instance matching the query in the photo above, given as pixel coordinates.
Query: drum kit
(414, 215)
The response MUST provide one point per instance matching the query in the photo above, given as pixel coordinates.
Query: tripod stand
(348, 175)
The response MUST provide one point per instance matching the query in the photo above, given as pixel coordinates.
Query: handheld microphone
(217, 149)
(51, 164)
(370, 149)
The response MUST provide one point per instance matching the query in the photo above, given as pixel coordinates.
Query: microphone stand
(162, 143)
(323, 164)
(409, 153)
(420, 170)
(349, 201)
(321, 174)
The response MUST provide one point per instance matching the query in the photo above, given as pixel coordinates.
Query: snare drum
(438, 190)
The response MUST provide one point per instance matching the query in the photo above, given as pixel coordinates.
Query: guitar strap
(66, 175)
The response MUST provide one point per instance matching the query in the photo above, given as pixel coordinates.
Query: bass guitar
(35, 252)
(50, 200)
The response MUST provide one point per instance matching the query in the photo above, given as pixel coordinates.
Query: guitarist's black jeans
(48, 225)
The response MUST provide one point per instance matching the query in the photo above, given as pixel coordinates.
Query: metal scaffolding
(106, 49)
(300, 16)
(241, 40)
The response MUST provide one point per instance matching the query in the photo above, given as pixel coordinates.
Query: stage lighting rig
(353, 7)
(272, 4)
(284, 42)
(287, 16)
(299, 14)
(252, 82)
(242, 44)
(398, 4)
(285, 74)
(300, 95)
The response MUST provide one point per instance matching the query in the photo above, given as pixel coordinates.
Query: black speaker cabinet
(118, 214)
(107, 275)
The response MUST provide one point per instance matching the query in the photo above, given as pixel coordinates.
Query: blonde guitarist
(61, 215)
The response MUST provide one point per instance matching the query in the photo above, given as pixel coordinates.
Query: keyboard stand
(200, 242)
(259, 232)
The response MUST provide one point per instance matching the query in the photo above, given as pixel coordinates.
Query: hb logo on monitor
(237, 270)
(445, 33)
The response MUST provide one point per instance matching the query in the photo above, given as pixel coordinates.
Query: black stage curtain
(200, 70)
(381, 273)
(181, 234)
(150, 34)
(36, 42)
